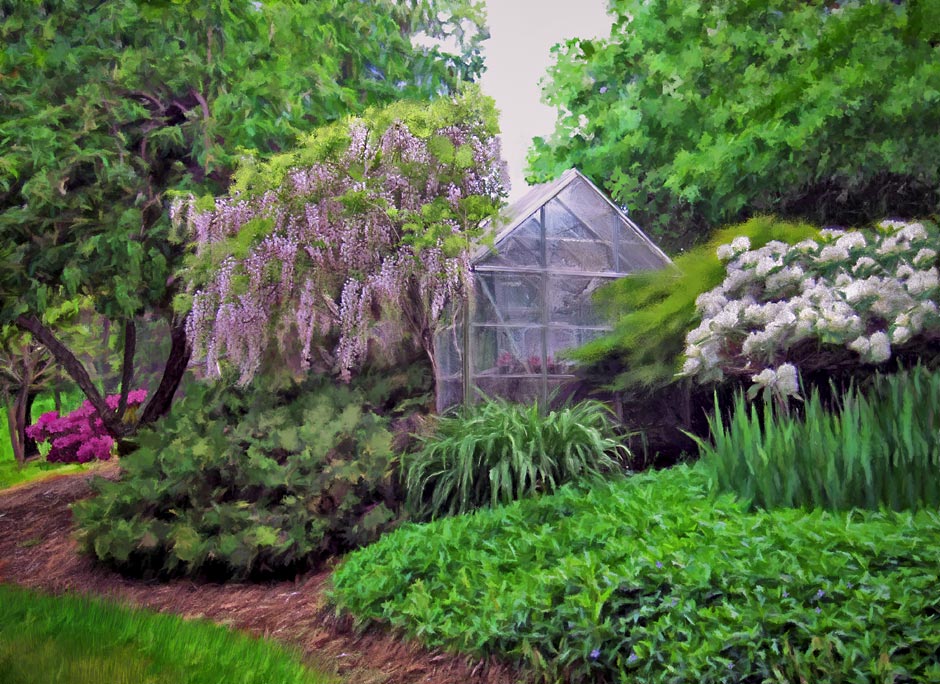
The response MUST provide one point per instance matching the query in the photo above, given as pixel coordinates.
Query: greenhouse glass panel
(570, 300)
(582, 201)
(449, 351)
(501, 297)
(531, 299)
(560, 340)
(449, 393)
(523, 390)
(522, 248)
(507, 351)
(637, 254)
(571, 245)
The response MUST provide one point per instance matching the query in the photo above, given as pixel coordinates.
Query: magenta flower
(79, 437)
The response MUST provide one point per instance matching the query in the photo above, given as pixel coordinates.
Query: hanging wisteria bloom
(367, 242)
(861, 292)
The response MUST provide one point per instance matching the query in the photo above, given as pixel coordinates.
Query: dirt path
(37, 551)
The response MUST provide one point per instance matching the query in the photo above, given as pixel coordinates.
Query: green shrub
(78, 640)
(875, 449)
(653, 579)
(247, 484)
(496, 452)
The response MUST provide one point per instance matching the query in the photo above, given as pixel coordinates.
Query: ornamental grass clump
(876, 449)
(496, 452)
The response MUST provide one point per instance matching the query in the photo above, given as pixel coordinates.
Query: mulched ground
(37, 551)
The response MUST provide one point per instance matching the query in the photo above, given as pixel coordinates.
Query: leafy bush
(80, 436)
(845, 298)
(496, 451)
(653, 311)
(699, 114)
(246, 484)
(875, 450)
(651, 579)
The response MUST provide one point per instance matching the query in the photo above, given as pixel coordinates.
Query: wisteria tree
(107, 106)
(360, 236)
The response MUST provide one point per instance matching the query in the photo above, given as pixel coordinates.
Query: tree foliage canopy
(700, 114)
(104, 106)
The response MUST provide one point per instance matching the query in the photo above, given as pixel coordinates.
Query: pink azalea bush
(80, 436)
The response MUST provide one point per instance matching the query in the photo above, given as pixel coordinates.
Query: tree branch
(176, 364)
(76, 371)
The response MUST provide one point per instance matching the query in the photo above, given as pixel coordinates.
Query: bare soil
(37, 551)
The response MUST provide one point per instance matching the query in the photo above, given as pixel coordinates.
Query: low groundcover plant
(652, 579)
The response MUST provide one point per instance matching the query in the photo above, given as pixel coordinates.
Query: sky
(517, 58)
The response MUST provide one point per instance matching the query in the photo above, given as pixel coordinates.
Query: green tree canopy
(698, 114)
(107, 105)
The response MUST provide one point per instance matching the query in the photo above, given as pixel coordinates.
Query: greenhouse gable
(531, 293)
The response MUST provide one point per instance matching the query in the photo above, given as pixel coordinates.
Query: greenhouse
(531, 293)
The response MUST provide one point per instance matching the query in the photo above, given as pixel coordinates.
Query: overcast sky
(517, 57)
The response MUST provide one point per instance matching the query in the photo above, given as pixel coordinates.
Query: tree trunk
(127, 367)
(161, 400)
(29, 444)
(176, 364)
(16, 422)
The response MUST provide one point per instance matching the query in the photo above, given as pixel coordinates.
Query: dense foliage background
(105, 106)
(696, 114)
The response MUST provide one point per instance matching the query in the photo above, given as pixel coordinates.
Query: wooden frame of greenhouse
(531, 293)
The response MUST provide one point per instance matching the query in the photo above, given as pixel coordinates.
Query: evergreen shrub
(247, 483)
(654, 579)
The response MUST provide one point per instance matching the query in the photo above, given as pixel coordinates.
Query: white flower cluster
(781, 382)
(860, 291)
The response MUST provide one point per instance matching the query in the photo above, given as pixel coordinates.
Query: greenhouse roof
(539, 195)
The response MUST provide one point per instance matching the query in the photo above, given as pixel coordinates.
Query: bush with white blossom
(848, 296)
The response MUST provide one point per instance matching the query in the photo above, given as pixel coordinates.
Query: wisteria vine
(365, 244)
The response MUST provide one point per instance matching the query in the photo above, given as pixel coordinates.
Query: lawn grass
(76, 640)
(10, 472)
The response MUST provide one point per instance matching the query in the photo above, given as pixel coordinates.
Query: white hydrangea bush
(864, 292)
